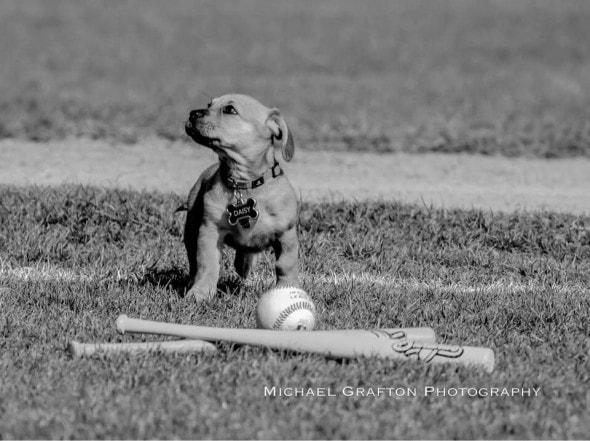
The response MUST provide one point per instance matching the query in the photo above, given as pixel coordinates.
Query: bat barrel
(472, 356)
(425, 335)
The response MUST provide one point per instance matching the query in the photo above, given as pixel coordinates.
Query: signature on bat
(425, 351)
(422, 351)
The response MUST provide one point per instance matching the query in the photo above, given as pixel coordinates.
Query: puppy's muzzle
(198, 129)
(192, 121)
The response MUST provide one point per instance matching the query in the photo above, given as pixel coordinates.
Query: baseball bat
(78, 349)
(127, 324)
(393, 343)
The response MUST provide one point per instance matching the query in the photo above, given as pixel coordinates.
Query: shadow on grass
(174, 278)
(177, 280)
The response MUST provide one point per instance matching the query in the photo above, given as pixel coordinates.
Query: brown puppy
(245, 201)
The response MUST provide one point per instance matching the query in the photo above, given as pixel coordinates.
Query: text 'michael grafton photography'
(403, 392)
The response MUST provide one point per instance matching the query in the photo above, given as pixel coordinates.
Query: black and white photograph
(295, 219)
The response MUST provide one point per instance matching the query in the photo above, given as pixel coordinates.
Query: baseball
(285, 309)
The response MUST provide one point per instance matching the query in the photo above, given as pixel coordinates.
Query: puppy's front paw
(201, 294)
(284, 281)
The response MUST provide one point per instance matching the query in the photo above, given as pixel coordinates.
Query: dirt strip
(463, 181)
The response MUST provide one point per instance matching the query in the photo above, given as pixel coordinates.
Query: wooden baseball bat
(78, 349)
(127, 324)
(393, 343)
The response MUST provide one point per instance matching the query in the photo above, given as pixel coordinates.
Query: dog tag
(244, 213)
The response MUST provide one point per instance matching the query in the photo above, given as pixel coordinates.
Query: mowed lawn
(491, 76)
(73, 258)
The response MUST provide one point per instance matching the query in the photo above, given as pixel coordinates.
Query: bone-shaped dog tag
(244, 213)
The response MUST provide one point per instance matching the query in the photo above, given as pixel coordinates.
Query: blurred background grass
(489, 76)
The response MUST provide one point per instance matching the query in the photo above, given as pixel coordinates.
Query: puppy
(245, 201)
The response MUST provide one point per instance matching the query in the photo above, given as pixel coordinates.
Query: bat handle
(77, 349)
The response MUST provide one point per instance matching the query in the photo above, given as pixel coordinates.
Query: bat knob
(120, 323)
(74, 348)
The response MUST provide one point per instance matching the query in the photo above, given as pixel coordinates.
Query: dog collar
(274, 172)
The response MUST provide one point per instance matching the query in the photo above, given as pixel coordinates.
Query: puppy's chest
(260, 231)
(255, 223)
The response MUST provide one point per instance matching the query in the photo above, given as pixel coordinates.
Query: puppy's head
(240, 127)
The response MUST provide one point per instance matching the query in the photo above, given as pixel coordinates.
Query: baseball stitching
(287, 312)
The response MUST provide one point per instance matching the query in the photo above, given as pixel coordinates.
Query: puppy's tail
(182, 207)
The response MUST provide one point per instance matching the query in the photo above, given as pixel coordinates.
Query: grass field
(73, 258)
(490, 76)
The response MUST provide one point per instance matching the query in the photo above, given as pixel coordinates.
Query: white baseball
(285, 309)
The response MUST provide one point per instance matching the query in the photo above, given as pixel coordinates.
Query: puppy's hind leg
(244, 262)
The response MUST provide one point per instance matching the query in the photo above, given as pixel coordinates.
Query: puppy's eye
(230, 110)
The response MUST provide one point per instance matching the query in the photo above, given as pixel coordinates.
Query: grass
(487, 77)
(72, 258)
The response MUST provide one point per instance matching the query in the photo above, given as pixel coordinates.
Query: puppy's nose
(196, 114)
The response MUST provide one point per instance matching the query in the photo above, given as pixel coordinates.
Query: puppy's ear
(281, 134)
